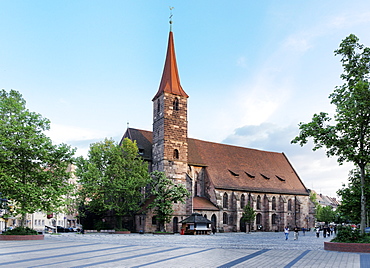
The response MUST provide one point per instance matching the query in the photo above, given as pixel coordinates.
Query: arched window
(225, 218)
(158, 106)
(274, 203)
(242, 201)
(154, 220)
(225, 200)
(290, 204)
(258, 218)
(176, 104)
(273, 219)
(175, 154)
(258, 202)
(205, 216)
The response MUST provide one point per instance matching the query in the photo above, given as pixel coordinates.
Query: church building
(221, 178)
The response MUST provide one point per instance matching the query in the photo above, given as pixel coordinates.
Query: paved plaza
(148, 250)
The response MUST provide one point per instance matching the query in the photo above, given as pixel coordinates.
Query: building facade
(221, 178)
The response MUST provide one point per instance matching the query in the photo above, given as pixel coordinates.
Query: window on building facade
(258, 218)
(176, 104)
(225, 200)
(273, 218)
(290, 204)
(176, 154)
(242, 201)
(225, 218)
(154, 220)
(274, 203)
(258, 202)
(158, 106)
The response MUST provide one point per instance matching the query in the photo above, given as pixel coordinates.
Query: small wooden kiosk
(196, 224)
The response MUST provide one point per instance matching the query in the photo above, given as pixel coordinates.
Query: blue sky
(253, 69)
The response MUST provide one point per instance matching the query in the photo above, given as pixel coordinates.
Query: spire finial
(171, 18)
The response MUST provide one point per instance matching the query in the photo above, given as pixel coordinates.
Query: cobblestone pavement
(148, 250)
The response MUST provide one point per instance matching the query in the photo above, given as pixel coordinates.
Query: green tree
(248, 215)
(348, 137)
(111, 179)
(33, 171)
(350, 207)
(165, 193)
(325, 214)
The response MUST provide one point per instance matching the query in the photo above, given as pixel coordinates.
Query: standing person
(296, 233)
(286, 232)
(317, 232)
(324, 230)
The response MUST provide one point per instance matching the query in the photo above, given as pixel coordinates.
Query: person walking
(296, 233)
(317, 232)
(286, 232)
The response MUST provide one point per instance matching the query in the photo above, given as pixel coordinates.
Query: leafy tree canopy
(166, 192)
(350, 207)
(33, 171)
(348, 135)
(325, 214)
(111, 178)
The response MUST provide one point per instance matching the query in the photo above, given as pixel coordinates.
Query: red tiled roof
(239, 168)
(170, 81)
(201, 203)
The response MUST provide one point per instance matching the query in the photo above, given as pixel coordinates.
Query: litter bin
(182, 232)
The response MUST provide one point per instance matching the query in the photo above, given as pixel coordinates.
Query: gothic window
(225, 218)
(205, 216)
(225, 200)
(274, 203)
(258, 218)
(176, 104)
(273, 219)
(175, 154)
(242, 201)
(290, 204)
(158, 106)
(154, 220)
(258, 202)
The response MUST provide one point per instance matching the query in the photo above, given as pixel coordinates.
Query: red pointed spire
(170, 82)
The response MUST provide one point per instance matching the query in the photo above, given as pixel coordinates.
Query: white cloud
(77, 136)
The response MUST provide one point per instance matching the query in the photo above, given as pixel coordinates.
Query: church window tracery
(225, 218)
(242, 201)
(290, 204)
(225, 201)
(258, 202)
(274, 203)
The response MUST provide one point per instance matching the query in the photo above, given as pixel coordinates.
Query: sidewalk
(135, 250)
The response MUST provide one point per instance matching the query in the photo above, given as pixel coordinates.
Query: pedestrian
(317, 232)
(324, 231)
(286, 232)
(304, 231)
(296, 230)
(213, 230)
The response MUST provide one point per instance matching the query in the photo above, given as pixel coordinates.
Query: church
(221, 178)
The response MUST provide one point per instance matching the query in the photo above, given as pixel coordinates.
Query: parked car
(61, 229)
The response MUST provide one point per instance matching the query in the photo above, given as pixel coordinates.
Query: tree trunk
(363, 200)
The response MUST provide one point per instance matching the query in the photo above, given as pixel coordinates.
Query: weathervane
(171, 18)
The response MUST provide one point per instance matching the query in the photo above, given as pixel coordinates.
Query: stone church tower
(170, 127)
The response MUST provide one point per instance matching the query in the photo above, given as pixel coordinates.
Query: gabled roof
(195, 218)
(201, 203)
(170, 81)
(237, 168)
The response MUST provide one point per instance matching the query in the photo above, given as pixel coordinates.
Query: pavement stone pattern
(257, 249)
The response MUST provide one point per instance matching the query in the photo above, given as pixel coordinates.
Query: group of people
(327, 231)
(296, 232)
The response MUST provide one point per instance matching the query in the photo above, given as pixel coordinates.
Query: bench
(90, 231)
(108, 231)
